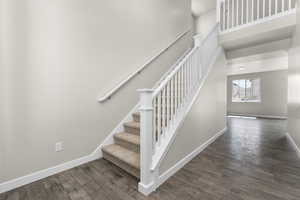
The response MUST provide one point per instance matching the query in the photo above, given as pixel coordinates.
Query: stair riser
(131, 170)
(136, 118)
(132, 130)
(127, 145)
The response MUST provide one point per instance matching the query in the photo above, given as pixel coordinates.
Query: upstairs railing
(164, 108)
(233, 14)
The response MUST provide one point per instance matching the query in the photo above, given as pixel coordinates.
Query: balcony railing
(235, 14)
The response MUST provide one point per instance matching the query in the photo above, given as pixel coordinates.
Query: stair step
(128, 141)
(132, 127)
(123, 158)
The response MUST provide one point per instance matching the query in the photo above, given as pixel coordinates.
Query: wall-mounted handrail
(111, 92)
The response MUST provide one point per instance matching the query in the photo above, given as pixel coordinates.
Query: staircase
(125, 152)
(141, 146)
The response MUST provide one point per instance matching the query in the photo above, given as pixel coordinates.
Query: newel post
(146, 141)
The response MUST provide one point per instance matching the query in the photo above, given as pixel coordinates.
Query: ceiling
(200, 7)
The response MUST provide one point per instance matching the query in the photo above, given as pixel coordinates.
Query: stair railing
(164, 108)
(234, 14)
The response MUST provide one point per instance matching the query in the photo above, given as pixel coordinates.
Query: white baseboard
(297, 149)
(260, 116)
(166, 175)
(24, 180)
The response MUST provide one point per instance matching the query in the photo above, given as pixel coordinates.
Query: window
(246, 90)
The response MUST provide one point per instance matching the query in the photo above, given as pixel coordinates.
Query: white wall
(259, 49)
(294, 84)
(273, 89)
(205, 22)
(206, 118)
(60, 55)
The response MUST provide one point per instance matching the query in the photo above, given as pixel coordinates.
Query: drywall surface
(273, 91)
(205, 23)
(294, 84)
(60, 56)
(259, 49)
(206, 118)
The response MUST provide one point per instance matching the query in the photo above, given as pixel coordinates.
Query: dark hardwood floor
(251, 161)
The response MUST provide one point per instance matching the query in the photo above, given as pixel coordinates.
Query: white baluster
(182, 85)
(219, 13)
(264, 8)
(276, 6)
(290, 4)
(172, 98)
(270, 7)
(247, 11)
(242, 22)
(228, 14)
(282, 5)
(258, 9)
(164, 110)
(237, 12)
(154, 118)
(252, 10)
(232, 13)
(159, 125)
(168, 103)
(175, 92)
(223, 9)
(146, 137)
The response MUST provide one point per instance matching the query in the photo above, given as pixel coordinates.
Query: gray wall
(206, 118)
(294, 85)
(60, 55)
(273, 95)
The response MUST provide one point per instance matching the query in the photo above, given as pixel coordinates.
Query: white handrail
(109, 94)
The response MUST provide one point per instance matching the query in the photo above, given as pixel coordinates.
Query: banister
(111, 92)
(167, 79)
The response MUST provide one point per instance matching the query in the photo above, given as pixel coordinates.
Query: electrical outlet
(59, 146)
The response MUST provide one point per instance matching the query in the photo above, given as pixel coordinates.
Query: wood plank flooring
(251, 161)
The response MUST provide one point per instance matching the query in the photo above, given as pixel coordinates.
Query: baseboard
(24, 180)
(260, 116)
(166, 175)
(297, 149)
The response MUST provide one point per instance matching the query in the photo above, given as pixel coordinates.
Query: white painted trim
(24, 180)
(261, 116)
(111, 92)
(290, 138)
(97, 154)
(170, 172)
